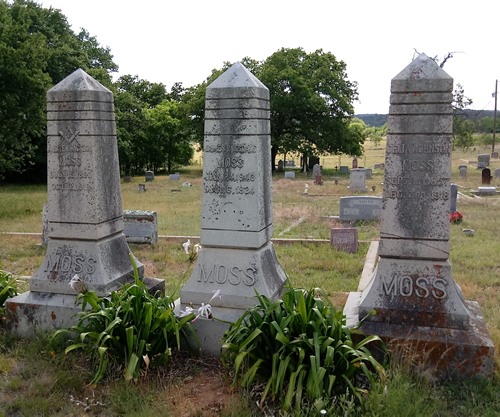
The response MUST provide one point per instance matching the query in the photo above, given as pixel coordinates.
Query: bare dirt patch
(201, 387)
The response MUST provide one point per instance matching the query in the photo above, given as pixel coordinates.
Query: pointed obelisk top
(422, 74)
(422, 67)
(237, 76)
(79, 80)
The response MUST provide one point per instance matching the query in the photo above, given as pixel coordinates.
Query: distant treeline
(374, 120)
(377, 120)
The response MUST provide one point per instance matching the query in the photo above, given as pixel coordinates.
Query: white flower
(186, 312)
(186, 246)
(216, 294)
(205, 310)
(197, 247)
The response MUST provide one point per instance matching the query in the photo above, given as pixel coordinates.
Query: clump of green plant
(300, 345)
(130, 327)
(8, 289)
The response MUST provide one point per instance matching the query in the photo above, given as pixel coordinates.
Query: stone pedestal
(237, 257)
(448, 353)
(85, 224)
(412, 290)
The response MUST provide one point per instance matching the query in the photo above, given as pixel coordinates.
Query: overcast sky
(183, 40)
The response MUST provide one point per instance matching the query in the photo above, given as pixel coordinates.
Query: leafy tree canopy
(311, 101)
(168, 135)
(37, 50)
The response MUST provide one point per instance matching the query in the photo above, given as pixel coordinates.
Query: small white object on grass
(468, 232)
(187, 246)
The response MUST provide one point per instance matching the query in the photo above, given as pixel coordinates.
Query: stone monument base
(32, 313)
(235, 275)
(209, 332)
(229, 279)
(103, 265)
(444, 352)
(415, 292)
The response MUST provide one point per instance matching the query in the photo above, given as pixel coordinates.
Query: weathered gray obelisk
(237, 256)
(412, 290)
(85, 223)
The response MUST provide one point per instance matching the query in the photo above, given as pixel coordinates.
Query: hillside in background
(377, 120)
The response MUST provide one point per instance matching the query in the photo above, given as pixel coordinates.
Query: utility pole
(494, 119)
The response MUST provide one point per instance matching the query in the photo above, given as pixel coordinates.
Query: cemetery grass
(36, 381)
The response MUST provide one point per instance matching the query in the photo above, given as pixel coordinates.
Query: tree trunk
(274, 152)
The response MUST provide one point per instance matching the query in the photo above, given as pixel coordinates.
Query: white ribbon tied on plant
(77, 284)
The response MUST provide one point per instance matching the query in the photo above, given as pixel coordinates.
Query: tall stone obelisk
(237, 256)
(412, 290)
(85, 224)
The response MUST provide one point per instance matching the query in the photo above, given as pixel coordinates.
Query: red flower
(456, 217)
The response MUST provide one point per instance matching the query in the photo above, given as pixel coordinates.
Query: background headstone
(316, 170)
(497, 173)
(463, 171)
(140, 226)
(149, 176)
(290, 175)
(357, 180)
(483, 160)
(453, 197)
(344, 239)
(174, 177)
(378, 166)
(238, 256)
(486, 176)
(416, 300)
(344, 169)
(360, 208)
(486, 190)
(368, 173)
(317, 174)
